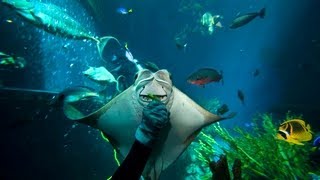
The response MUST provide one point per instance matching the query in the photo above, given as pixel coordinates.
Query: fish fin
(294, 141)
(308, 129)
(219, 25)
(262, 12)
(103, 41)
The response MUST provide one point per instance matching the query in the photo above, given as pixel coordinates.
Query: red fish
(204, 76)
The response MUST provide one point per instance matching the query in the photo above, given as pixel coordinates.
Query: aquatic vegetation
(261, 154)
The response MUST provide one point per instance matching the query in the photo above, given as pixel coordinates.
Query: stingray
(119, 119)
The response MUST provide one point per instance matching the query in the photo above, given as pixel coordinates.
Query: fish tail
(102, 42)
(262, 12)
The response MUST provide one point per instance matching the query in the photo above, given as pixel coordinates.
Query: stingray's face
(149, 85)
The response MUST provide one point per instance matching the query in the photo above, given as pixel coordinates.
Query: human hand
(155, 116)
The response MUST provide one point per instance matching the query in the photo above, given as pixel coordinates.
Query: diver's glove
(155, 116)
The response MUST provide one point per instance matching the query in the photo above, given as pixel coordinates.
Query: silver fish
(54, 20)
(246, 18)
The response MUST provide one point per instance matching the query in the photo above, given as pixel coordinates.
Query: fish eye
(136, 76)
(282, 134)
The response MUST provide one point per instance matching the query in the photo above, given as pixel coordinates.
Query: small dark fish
(246, 18)
(220, 168)
(204, 76)
(181, 43)
(256, 73)
(222, 109)
(151, 66)
(241, 96)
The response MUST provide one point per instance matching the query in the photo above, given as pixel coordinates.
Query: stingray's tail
(102, 42)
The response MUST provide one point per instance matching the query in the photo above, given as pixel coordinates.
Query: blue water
(278, 45)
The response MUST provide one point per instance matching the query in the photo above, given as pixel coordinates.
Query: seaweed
(261, 154)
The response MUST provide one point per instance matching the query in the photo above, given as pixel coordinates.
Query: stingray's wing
(187, 119)
(118, 120)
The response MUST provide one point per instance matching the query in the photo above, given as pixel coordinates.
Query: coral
(262, 155)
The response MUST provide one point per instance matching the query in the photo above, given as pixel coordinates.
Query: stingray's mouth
(150, 97)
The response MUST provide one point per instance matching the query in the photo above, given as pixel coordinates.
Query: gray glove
(155, 116)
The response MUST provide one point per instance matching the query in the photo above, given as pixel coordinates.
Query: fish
(181, 39)
(294, 131)
(241, 96)
(316, 144)
(120, 117)
(222, 109)
(256, 72)
(204, 76)
(124, 11)
(102, 76)
(219, 25)
(246, 18)
(54, 20)
(79, 97)
(73, 95)
(211, 21)
(151, 66)
(181, 43)
(99, 74)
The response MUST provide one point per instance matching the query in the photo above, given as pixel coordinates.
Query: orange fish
(294, 131)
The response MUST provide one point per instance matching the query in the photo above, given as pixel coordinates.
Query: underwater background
(38, 142)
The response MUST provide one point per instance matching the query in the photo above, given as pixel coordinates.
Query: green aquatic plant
(261, 154)
(115, 153)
